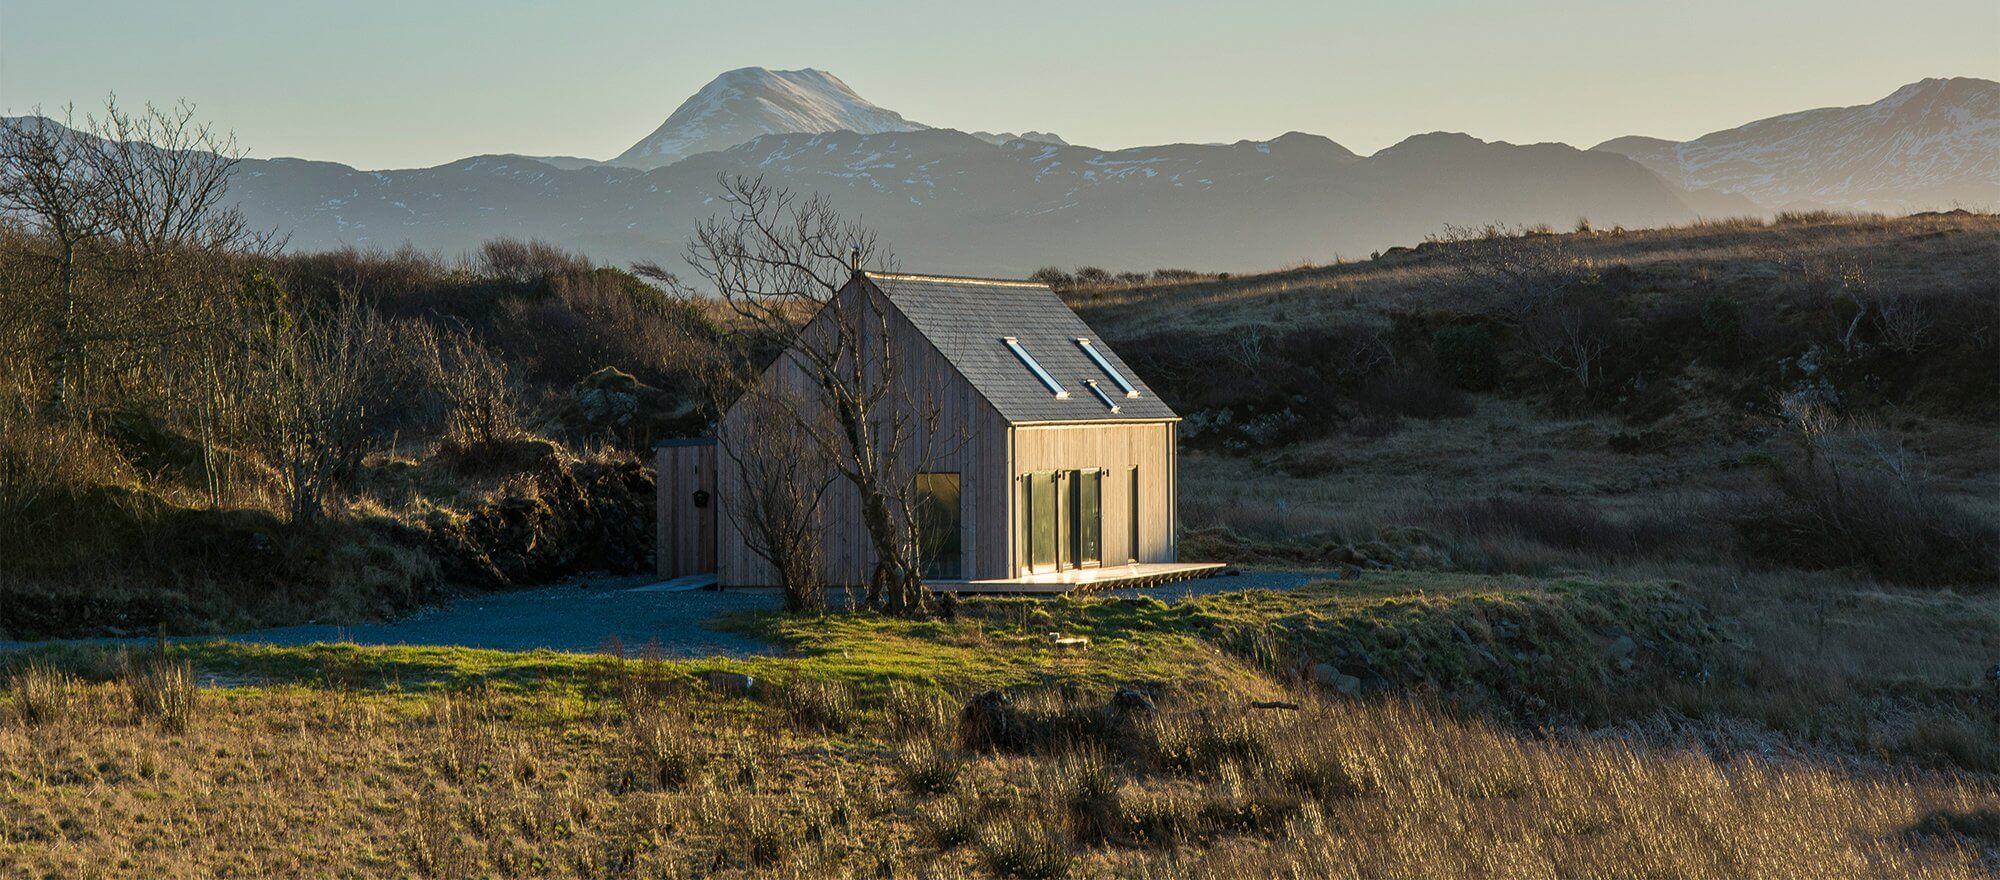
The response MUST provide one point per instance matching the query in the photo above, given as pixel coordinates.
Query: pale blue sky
(376, 84)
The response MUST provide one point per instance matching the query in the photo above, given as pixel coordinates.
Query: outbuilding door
(685, 474)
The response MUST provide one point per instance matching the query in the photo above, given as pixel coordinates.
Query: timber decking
(1083, 580)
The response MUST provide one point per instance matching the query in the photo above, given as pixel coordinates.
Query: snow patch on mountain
(1001, 138)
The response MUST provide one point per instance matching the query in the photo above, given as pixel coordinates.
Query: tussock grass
(817, 705)
(43, 695)
(162, 689)
(927, 766)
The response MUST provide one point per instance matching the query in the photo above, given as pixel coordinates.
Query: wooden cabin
(1049, 463)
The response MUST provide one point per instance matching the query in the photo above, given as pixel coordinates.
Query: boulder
(612, 400)
(986, 721)
(1128, 702)
(729, 682)
(1331, 678)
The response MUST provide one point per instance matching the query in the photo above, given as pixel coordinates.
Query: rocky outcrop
(614, 403)
(560, 517)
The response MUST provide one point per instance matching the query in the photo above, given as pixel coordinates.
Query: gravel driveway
(583, 616)
(590, 615)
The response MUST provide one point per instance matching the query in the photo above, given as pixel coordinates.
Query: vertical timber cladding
(969, 438)
(1119, 450)
(685, 480)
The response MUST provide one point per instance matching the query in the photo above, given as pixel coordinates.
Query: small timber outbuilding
(1060, 471)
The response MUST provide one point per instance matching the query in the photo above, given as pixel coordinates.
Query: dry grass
(1919, 250)
(550, 781)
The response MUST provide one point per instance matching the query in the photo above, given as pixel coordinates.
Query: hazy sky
(381, 84)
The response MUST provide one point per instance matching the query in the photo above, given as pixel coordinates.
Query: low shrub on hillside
(1896, 530)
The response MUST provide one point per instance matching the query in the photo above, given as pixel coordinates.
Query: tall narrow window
(1132, 520)
(1014, 345)
(1097, 357)
(1038, 521)
(939, 542)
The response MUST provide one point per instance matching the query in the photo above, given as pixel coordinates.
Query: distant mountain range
(1006, 204)
(1931, 144)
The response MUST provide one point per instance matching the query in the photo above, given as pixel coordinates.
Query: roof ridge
(956, 279)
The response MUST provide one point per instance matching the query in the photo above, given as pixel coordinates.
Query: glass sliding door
(1062, 520)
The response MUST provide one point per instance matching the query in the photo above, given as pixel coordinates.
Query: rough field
(856, 755)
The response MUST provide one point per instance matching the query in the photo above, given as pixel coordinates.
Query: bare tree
(780, 260)
(784, 475)
(128, 211)
(1570, 335)
(317, 389)
(51, 183)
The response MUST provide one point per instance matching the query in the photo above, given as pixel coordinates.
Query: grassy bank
(1142, 754)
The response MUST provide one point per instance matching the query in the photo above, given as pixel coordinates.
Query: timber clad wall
(1116, 448)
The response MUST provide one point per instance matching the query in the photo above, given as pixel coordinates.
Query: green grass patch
(1511, 644)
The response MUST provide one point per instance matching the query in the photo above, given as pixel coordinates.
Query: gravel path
(583, 616)
(591, 614)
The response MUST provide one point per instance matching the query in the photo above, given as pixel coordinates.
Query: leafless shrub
(1570, 334)
(318, 387)
(480, 404)
(523, 261)
(1832, 510)
(1053, 277)
(784, 476)
(1904, 323)
(1507, 273)
(1092, 275)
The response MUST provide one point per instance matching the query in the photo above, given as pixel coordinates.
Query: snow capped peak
(742, 104)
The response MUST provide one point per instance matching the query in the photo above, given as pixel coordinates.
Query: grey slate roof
(966, 318)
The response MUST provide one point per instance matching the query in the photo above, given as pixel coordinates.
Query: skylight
(1101, 396)
(1097, 357)
(1048, 381)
